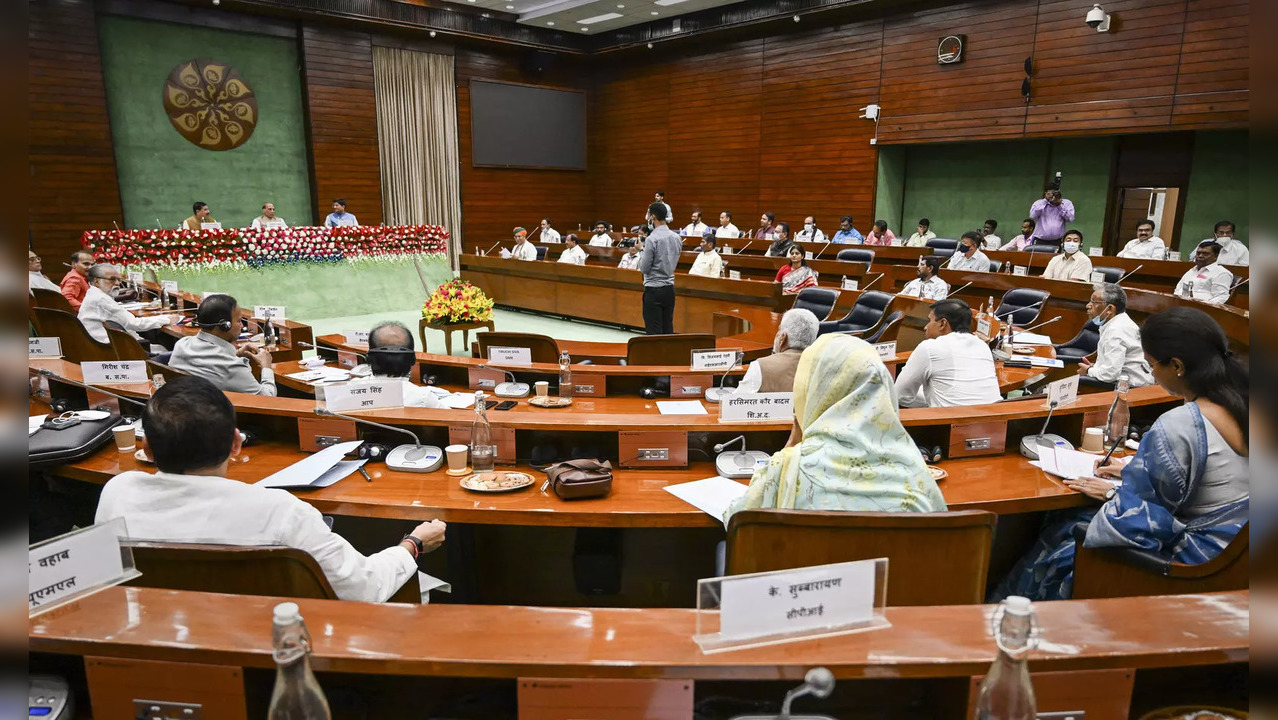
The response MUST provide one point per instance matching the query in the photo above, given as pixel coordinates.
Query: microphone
(158, 226)
(876, 279)
(409, 458)
(738, 464)
(818, 682)
(1031, 443)
(1046, 322)
(491, 248)
(1029, 265)
(1121, 279)
(1013, 310)
(714, 394)
(512, 389)
(952, 292)
(823, 247)
(54, 376)
(748, 244)
(117, 227)
(1244, 282)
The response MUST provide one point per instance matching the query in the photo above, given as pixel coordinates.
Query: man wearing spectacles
(99, 308)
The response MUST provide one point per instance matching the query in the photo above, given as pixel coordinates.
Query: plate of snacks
(497, 481)
(937, 473)
(546, 401)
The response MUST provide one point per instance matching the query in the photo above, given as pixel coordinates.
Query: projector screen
(527, 127)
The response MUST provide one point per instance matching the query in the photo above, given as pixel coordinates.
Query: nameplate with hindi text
(1097, 276)
(356, 337)
(169, 286)
(714, 359)
(1062, 392)
(76, 564)
(44, 347)
(269, 312)
(114, 371)
(983, 326)
(364, 395)
(797, 600)
(886, 350)
(850, 284)
(1020, 270)
(135, 277)
(752, 407)
(734, 274)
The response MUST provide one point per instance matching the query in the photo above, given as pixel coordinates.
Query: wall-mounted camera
(1098, 19)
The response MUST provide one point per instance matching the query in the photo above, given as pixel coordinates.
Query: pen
(1104, 460)
(364, 472)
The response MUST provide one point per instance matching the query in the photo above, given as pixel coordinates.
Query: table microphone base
(741, 463)
(1031, 443)
(511, 390)
(715, 394)
(415, 458)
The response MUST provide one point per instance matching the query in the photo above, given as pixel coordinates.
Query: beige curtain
(417, 140)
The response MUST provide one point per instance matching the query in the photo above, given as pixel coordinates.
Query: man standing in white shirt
(523, 250)
(191, 436)
(992, 241)
(928, 285)
(1071, 264)
(1146, 246)
(601, 238)
(99, 307)
(1119, 352)
(810, 232)
(548, 233)
(952, 367)
(268, 219)
(660, 197)
(212, 355)
(1206, 280)
(573, 254)
(726, 229)
(1232, 250)
(968, 256)
(708, 262)
(696, 228)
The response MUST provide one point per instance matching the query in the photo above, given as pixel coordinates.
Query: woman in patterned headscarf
(848, 449)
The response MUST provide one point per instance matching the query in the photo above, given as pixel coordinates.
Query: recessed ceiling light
(510, 7)
(796, 18)
(432, 33)
(585, 29)
(621, 7)
(664, 3)
(599, 18)
(654, 12)
(649, 46)
(550, 22)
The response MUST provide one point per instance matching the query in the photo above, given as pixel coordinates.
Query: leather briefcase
(578, 479)
(55, 447)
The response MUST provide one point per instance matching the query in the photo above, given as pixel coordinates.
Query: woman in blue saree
(1185, 492)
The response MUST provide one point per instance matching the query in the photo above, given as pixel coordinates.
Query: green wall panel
(160, 172)
(890, 192)
(1218, 186)
(1084, 164)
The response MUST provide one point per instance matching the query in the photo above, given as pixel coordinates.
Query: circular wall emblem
(950, 49)
(210, 104)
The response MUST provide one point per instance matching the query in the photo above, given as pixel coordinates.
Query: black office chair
(541, 252)
(857, 255)
(936, 244)
(995, 265)
(888, 330)
(1112, 274)
(820, 301)
(1022, 305)
(1083, 344)
(1043, 249)
(865, 315)
(943, 253)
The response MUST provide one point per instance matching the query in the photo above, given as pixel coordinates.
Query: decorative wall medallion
(210, 104)
(949, 50)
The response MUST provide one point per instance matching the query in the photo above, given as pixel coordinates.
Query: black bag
(55, 447)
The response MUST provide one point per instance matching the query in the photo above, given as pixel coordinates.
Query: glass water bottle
(1006, 692)
(483, 454)
(565, 375)
(297, 695)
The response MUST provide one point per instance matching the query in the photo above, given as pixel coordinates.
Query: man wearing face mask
(968, 256)
(775, 373)
(780, 247)
(1119, 352)
(1146, 245)
(928, 285)
(810, 232)
(1232, 250)
(1070, 264)
(1206, 280)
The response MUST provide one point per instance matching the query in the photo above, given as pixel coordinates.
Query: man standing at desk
(657, 262)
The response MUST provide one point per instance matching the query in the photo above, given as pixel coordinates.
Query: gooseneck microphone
(955, 292)
(1129, 274)
(512, 389)
(410, 458)
(819, 682)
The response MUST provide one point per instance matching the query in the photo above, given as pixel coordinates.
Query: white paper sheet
(1036, 361)
(1029, 338)
(681, 407)
(458, 401)
(1066, 463)
(320, 374)
(711, 496)
(312, 469)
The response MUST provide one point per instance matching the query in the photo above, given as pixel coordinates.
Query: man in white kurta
(99, 308)
(1206, 280)
(708, 262)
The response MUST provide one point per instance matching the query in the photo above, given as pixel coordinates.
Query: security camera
(1098, 19)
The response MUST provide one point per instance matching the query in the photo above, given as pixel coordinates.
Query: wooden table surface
(515, 641)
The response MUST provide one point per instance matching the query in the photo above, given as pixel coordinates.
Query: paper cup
(456, 458)
(125, 438)
(1093, 440)
(543, 388)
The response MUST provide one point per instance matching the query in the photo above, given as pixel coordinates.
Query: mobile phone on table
(506, 405)
(488, 404)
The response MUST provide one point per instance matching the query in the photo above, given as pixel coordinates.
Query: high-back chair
(1022, 306)
(1112, 274)
(666, 349)
(124, 345)
(1082, 345)
(819, 301)
(1131, 572)
(939, 244)
(864, 255)
(77, 344)
(865, 315)
(544, 348)
(50, 299)
(888, 329)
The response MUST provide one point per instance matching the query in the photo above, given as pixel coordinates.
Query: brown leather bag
(578, 479)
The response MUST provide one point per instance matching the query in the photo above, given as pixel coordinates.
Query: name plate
(268, 312)
(1062, 392)
(114, 371)
(510, 355)
(727, 249)
(368, 395)
(1096, 251)
(797, 601)
(807, 255)
(1020, 270)
(714, 359)
(211, 226)
(76, 564)
(44, 347)
(886, 350)
(135, 277)
(850, 284)
(355, 337)
(169, 286)
(1098, 276)
(734, 274)
(983, 326)
(756, 407)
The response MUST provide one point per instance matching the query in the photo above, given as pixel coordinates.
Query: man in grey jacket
(212, 355)
(657, 263)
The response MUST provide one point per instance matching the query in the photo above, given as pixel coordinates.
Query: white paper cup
(1093, 440)
(542, 387)
(456, 457)
(125, 438)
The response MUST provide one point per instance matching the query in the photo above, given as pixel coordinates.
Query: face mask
(1071, 248)
(1099, 320)
(965, 249)
(807, 226)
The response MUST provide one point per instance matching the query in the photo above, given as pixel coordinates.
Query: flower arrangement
(457, 301)
(257, 248)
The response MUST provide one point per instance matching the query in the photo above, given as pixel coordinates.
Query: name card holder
(44, 347)
(756, 407)
(652, 448)
(689, 386)
(984, 326)
(769, 608)
(484, 379)
(316, 433)
(79, 563)
(588, 384)
(503, 437)
(1062, 392)
(347, 359)
(973, 439)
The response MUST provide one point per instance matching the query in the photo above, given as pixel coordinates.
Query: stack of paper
(316, 471)
(322, 374)
(681, 407)
(711, 496)
(1065, 463)
(1029, 338)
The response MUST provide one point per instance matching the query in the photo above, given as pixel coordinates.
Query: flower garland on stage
(247, 247)
(457, 301)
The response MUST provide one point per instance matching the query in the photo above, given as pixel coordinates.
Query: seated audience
(200, 215)
(928, 285)
(630, 261)
(775, 373)
(268, 219)
(1146, 245)
(1206, 280)
(795, 275)
(35, 275)
(392, 354)
(879, 234)
(572, 254)
(549, 234)
(951, 367)
(212, 355)
(708, 262)
(191, 436)
(601, 238)
(1186, 493)
(988, 238)
(1072, 263)
(75, 284)
(922, 235)
(522, 250)
(781, 242)
(848, 235)
(767, 226)
(696, 228)
(810, 232)
(1025, 239)
(726, 229)
(99, 307)
(847, 448)
(1232, 250)
(339, 217)
(1118, 353)
(968, 256)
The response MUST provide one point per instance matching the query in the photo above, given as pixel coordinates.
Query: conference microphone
(158, 226)
(819, 682)
(491, 248)
(54, 376)
(512, 389)
(748, 244)
(117, 227)
(1031, 443)
(823, 247)
(876, 279)
(1133, 271)
(953, 292)
(715, 394)
(1029, 265)
(1244, 282)
(409, 458)
(738, 464)
(1013, 310)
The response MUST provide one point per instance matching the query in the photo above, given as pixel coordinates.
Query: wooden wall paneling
(72, 183)
(342, 121)
(1212, 85)
(629, 139)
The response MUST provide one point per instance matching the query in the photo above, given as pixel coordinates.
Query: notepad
(1029, 338)
(316, 471)
(681, 407)
(1066, 463)
(711, 496)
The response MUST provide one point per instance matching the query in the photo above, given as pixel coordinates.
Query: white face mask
(1071, 247)
(807, 226)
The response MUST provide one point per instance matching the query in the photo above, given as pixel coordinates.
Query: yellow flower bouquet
(457, 301)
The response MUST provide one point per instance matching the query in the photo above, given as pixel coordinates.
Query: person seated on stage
(268, 219)
(968, 256)
(35, 275)
(924, 233)
(879, 234)
(522, 250)
(1025, 239)
(75, 284)
(191, 436)
(392, 354)
(601, 238)
(1206, 280)
(1232, 250)
(781, 242)
(951, 367)
(1186, 493)
(1146, 246)
(212, 355)
(726, 229)
(795, 275)
(990, 240)
(848, 235)
(708, 262)
(572, 254)
(928, 285)
(847, 448)
(775, 373)
(1071, 263)
(339, 217)
(99, 307)
(767, 227)
(200, 215)
(630, 261)
(548, 233)
(810, 232)
(696, 228)
(1118, 353)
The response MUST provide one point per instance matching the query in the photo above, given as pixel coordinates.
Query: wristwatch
(1109, 495)
(419, 548)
